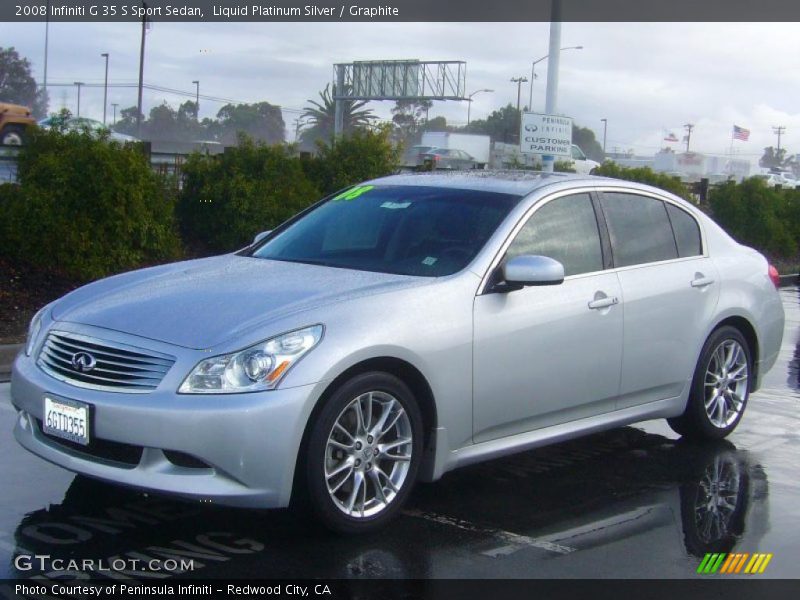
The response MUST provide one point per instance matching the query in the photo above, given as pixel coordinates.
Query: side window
(639, 228)
(687, 232)
(564, 229)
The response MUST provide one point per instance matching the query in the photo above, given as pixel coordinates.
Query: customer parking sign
(546, 134)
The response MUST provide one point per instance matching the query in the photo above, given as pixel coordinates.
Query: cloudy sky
(644, 78)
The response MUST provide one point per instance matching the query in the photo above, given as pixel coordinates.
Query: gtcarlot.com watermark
(45, 562)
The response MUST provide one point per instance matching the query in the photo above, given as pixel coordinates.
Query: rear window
(687, 232)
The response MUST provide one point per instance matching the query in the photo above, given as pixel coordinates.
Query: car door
(670, 288)
(549, 354)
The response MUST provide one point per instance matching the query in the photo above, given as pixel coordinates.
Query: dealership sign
(546, 134)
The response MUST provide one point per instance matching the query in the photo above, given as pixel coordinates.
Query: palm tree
(321, 117)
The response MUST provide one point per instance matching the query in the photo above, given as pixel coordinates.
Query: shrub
(646, 175)
(362, 154)
(757, 215)
(229, 198)
(86, 208)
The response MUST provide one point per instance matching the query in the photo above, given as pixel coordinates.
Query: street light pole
(519, 81)
(46, 45)
(469, 100)
(115, 105)
(79, 84)
(105, 88)
(553, 64)
(197, 99)
(533, 72)
(605, 128)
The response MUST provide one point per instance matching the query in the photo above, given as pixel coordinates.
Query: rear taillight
(774, 276)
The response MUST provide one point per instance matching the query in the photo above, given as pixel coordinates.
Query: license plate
(67, 419)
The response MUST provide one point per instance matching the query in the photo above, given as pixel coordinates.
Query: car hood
(203, 303)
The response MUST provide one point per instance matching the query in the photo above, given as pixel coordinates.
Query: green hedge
(646, 175)
(229, 198)
(86, 208)
(763, 217)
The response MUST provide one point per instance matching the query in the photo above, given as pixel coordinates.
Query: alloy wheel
(726, 383)
(368, 454)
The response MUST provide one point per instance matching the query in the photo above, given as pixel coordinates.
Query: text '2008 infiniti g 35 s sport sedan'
(397, 330)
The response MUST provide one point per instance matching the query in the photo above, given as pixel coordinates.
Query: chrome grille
(118, 367)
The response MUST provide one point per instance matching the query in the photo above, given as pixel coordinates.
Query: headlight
(257, 368)
(33, 330)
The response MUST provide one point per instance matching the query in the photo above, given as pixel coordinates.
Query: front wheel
(363, 453)
(720, 387)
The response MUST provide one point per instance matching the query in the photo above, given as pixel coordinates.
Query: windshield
(408, 230)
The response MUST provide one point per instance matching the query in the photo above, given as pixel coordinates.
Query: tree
(436, 124)
(772, 157)
(321, 117)
(407, 118)
(127, 121)
(584, 138)
(501, 125)
(17, 85)
(262, 121)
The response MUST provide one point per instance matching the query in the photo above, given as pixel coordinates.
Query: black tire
(695, 423)
(317, 495)
(12, 135)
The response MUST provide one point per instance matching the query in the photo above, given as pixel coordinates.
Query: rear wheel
(720, 387)
(363, 453)
(12, 135)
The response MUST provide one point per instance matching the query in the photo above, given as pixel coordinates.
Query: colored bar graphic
(734, 563)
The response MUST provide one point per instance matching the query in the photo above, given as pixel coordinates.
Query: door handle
(603, 302)
(701, 281)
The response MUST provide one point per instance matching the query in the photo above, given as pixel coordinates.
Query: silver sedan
(397, 330)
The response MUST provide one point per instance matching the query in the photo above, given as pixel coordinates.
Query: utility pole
(115, 105)
(605, 129)
(141, 73)
(519, 81)
(778, 130)
(105, 88)
(197, 98)
(79, 84)
(688, 127)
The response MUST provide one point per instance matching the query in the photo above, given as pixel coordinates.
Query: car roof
(516, 182)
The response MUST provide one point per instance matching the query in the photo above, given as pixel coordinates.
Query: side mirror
(532, 270)
(261, 236)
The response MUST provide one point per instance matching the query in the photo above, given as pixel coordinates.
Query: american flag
(740, 133)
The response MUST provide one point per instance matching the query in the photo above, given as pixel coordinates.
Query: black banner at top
(400, 10)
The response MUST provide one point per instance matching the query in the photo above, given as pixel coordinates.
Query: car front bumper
(235, 449)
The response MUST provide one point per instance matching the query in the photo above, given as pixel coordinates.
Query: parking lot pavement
(632, 502)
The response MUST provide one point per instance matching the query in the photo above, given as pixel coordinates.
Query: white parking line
(511, 541)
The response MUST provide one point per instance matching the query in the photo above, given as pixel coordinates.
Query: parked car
(84, 124)
(395, 331)
(581, 163)
(413, 158)
(450, 158)
(14, 121)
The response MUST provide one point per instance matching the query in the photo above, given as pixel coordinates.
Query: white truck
(477, 146)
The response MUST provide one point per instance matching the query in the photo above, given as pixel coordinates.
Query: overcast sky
(645, 78)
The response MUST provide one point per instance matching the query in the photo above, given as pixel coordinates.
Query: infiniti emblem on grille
(83, 362)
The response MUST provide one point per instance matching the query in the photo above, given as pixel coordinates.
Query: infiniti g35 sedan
(397, 330)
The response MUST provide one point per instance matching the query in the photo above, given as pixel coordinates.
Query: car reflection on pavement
(580, 509)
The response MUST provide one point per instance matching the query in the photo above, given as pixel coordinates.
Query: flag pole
(732, 138)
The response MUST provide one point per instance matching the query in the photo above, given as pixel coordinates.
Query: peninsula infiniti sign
(546, 134)
(83, 362)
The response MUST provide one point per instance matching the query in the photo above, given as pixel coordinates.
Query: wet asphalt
(632, 502)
